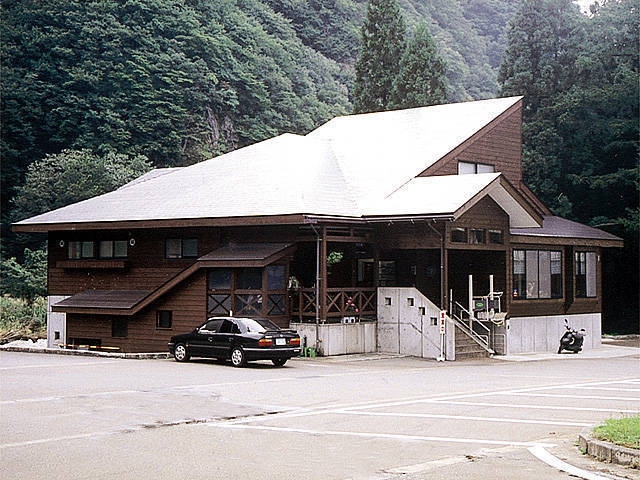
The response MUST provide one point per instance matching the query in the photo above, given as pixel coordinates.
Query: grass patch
(623, 431)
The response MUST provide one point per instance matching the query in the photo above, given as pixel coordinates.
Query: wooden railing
(340, 303)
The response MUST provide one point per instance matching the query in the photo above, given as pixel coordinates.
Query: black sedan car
(238, 339)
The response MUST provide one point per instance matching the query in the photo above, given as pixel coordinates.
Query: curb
(86, 353)
(609, 452)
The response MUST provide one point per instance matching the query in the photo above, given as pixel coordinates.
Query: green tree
(27, 280)
(579, 76)
(382, 46)
(543, 45)
(421, 79)
(72, 176)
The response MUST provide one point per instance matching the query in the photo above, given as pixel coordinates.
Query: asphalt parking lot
(354, 417)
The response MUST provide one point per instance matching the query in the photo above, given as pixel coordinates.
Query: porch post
(323, 276)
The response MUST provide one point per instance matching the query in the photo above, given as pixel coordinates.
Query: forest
(96, 92)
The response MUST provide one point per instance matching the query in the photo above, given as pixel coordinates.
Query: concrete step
(467, 348)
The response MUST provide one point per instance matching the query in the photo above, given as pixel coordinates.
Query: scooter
(572, 339)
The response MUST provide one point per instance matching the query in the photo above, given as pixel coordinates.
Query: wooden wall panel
(187, 302)
(499, 144)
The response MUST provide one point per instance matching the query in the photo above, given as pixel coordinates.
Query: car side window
(226, 326)
(229, 327)
(212, 325)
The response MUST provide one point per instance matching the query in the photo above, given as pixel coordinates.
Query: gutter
(364, 220)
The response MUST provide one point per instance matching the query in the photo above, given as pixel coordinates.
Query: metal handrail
(481, 339)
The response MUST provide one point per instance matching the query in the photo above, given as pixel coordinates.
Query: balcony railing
(340, 303)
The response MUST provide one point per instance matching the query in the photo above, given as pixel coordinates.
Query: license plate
(281, 341)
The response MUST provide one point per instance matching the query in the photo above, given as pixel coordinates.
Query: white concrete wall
(542, 334)
(340, 338)
(406, 324)
(56, 323)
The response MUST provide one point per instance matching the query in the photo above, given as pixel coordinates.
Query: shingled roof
(355, 167)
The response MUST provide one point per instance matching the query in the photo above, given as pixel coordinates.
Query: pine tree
(421, 80)
(382, 46)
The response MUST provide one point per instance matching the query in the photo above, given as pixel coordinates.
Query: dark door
(224, 338)
(202, 345)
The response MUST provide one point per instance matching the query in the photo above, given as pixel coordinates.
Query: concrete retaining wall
(542, 334)
(340, 338)
(408, 324)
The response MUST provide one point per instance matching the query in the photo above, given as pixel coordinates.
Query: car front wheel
(180, 353)
(237, 357)
(279, 362)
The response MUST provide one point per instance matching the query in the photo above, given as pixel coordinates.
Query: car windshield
(258, 325)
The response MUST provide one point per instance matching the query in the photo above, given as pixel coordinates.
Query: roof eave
(158, 223)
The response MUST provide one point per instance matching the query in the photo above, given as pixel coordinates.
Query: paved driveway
(370, 417)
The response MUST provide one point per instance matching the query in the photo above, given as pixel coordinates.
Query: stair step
(467, 348)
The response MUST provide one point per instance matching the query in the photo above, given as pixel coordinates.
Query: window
(537, 274)
(181, 248)
(164, 318)
(249, 279)
(276, 277)
(78, 250)
(119, 327)
(112, 249)
(220, 279)
(585, 274)
(477, 235)
(459, 235)
(247, 291)
(465, 168)
(213, 325)
(496, 237)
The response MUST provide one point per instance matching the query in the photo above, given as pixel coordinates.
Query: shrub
(22, 318)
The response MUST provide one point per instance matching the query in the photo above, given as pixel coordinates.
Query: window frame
(180, 248)
(477, 167)
(545, 265)
(585, 274)
(114, 249)
(76, 250)
(119, 327)
(159, 319)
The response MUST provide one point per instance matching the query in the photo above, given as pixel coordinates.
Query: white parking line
(390, 436)
(556, 395)
(539, 452)
(59, 365)
(538, 407)
(67, 397)
(464, 417)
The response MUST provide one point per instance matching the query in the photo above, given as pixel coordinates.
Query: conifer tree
(382, 46)
(421, 79)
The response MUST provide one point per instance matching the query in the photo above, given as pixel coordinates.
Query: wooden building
(426, 199)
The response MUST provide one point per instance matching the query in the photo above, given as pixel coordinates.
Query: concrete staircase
(467, 348)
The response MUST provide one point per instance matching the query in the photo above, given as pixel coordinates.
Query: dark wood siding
(145, 267)
(186, 302)
(498, 144)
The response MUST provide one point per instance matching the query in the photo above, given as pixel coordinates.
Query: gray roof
(355, 167)
(557, 227)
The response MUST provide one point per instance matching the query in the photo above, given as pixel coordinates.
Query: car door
(224, 339)
(202, 342)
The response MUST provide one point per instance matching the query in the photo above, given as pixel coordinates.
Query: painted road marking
(555, 395)
(463, 417)
(538, 407)
(60, 365)
(390, 436)
(539, 452)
